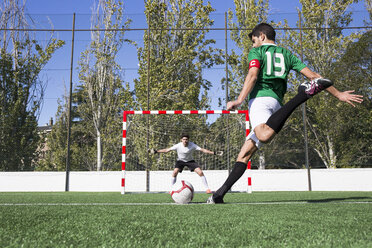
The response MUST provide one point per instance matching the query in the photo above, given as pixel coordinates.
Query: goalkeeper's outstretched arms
(154, 151)
(219, 153)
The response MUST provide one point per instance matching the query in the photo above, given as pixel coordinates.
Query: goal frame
(126, 114)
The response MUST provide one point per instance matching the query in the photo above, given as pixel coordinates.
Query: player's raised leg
(313, 87)
(305, 91)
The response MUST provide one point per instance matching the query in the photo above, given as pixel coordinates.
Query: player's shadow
(341, 199)
(326, 200)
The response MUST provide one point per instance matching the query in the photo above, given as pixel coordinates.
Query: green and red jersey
(275, 64)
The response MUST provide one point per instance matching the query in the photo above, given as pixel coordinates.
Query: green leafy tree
(21, 90)
(354, 125)
(247, 14)
(323, 43)
(82, 139)
(178, 52)
(100, 74)
(97, 102)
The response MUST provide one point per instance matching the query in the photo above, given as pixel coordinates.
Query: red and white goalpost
(179, 112)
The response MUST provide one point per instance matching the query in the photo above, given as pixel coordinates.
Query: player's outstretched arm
(154, 151)
(219, 153)
(249, 83)
(345, 96)
(311, 75)
(206, 151)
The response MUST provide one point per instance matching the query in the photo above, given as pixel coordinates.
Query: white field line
(193, 203)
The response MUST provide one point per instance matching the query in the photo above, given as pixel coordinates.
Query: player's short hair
(264, 28)
(185, 135)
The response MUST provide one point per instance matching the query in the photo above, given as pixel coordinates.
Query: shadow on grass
(326, 200)
(341, 199)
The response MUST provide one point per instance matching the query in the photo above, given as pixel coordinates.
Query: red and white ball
(182, 192)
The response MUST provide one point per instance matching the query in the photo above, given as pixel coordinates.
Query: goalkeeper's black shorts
(192, 165)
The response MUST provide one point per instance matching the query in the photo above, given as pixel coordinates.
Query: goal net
(215, 130)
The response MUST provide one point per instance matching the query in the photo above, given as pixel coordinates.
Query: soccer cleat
(212, 200)
(313, 87)
(208, 191)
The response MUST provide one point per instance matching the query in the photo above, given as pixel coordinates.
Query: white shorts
(260, 110)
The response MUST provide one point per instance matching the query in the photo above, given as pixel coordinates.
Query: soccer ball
(182, 192)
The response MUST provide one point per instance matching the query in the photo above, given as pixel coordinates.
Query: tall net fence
(219, 82)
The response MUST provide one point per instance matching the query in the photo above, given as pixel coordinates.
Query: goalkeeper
(265, 86)
(185, 149)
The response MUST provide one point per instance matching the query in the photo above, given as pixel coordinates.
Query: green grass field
(265, 219)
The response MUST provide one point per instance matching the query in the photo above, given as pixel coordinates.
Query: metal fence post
(304, 116)
(67, 186)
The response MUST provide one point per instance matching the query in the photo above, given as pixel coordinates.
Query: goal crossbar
(126, 113)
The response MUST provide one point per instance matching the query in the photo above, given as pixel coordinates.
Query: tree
(21, 91)
(248, 13)
(354, 71)
(100, 73)
(114, 98)
(323, 43)
(82, 138)
(178, 52)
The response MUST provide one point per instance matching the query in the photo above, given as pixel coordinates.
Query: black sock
(277, 120)
(236, 173)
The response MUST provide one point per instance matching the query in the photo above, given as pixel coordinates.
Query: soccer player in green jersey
(265, 86)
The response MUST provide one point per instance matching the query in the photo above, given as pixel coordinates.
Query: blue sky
(59, 13)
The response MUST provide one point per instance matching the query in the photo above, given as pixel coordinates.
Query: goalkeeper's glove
(219, 153)
(153, 151)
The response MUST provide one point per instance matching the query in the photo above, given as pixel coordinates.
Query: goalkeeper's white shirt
(185, 152)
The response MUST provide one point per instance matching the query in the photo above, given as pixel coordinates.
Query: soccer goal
(215, 130)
